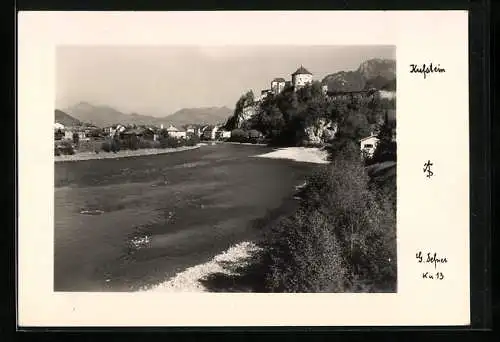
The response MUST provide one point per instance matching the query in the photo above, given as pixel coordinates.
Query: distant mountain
(208, 115)
(374, 73)
(65, 119)
(103, 116)
(372, 68)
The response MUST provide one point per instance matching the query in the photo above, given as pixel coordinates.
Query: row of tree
(285, 117)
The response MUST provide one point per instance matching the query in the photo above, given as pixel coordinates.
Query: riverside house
(176, 133)
(69, 133)
(368, 145)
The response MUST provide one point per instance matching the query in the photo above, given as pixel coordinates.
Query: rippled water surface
(125, 223)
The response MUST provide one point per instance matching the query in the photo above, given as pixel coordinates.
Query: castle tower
(301, 77)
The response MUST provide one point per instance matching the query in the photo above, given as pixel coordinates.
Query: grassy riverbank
(122, 153)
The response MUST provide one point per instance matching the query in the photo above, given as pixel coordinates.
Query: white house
(58, 126)
(223, 134)
(385, 94)
(176, 133)
(68, 134)
(190, 130)
(112, 131)
(368, 145)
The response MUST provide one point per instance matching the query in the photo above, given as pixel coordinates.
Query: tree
(231, 123)
(76, 138)
(386, 147)
(341, 238)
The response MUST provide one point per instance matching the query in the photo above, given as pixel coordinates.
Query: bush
(192, 140)
(65, 148)
(106, 146)
(148, 144)
(303, 255)
(170, 142)
(254, 136)
(342, 223)
(111, 146)
(130, 143)
(239, 135)
(76, 138)
(58, 135)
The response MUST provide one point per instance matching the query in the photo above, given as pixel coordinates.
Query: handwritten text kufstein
(425, 69)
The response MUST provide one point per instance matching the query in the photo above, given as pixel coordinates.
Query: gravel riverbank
(299, 154)
(189, 280)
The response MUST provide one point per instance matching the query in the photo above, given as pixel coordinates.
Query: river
(125, 223)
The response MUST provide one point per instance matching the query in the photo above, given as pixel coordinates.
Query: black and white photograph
(246, 168)
(225, 168)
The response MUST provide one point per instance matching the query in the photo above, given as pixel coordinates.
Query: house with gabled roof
(176, 132)
(368, 145)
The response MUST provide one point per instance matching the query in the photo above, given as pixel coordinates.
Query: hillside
(374, 73)
(383, 176)
(65, 119)
(103, 116)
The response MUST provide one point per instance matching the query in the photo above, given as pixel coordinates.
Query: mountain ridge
(65, 119)
(104, 115)
(378, 73)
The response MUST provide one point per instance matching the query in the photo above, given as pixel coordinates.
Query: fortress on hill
(300, 78)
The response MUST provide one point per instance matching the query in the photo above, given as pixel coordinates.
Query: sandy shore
(122, 154)
(300, 154)
(189, 280)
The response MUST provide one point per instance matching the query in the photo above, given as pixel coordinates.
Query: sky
(159, 80)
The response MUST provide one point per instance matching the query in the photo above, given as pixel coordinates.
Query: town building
(175, 132)
(223, 135)
(190, 129)
(350, 95)
(111, 131)
(368, 145)
(58, 126)
(265, 93)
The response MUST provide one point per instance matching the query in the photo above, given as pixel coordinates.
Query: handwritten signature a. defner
(425, 69)
(431, 259)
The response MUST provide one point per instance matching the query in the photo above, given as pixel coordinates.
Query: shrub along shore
(340, 236)
(67, 150)
(121, 154)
